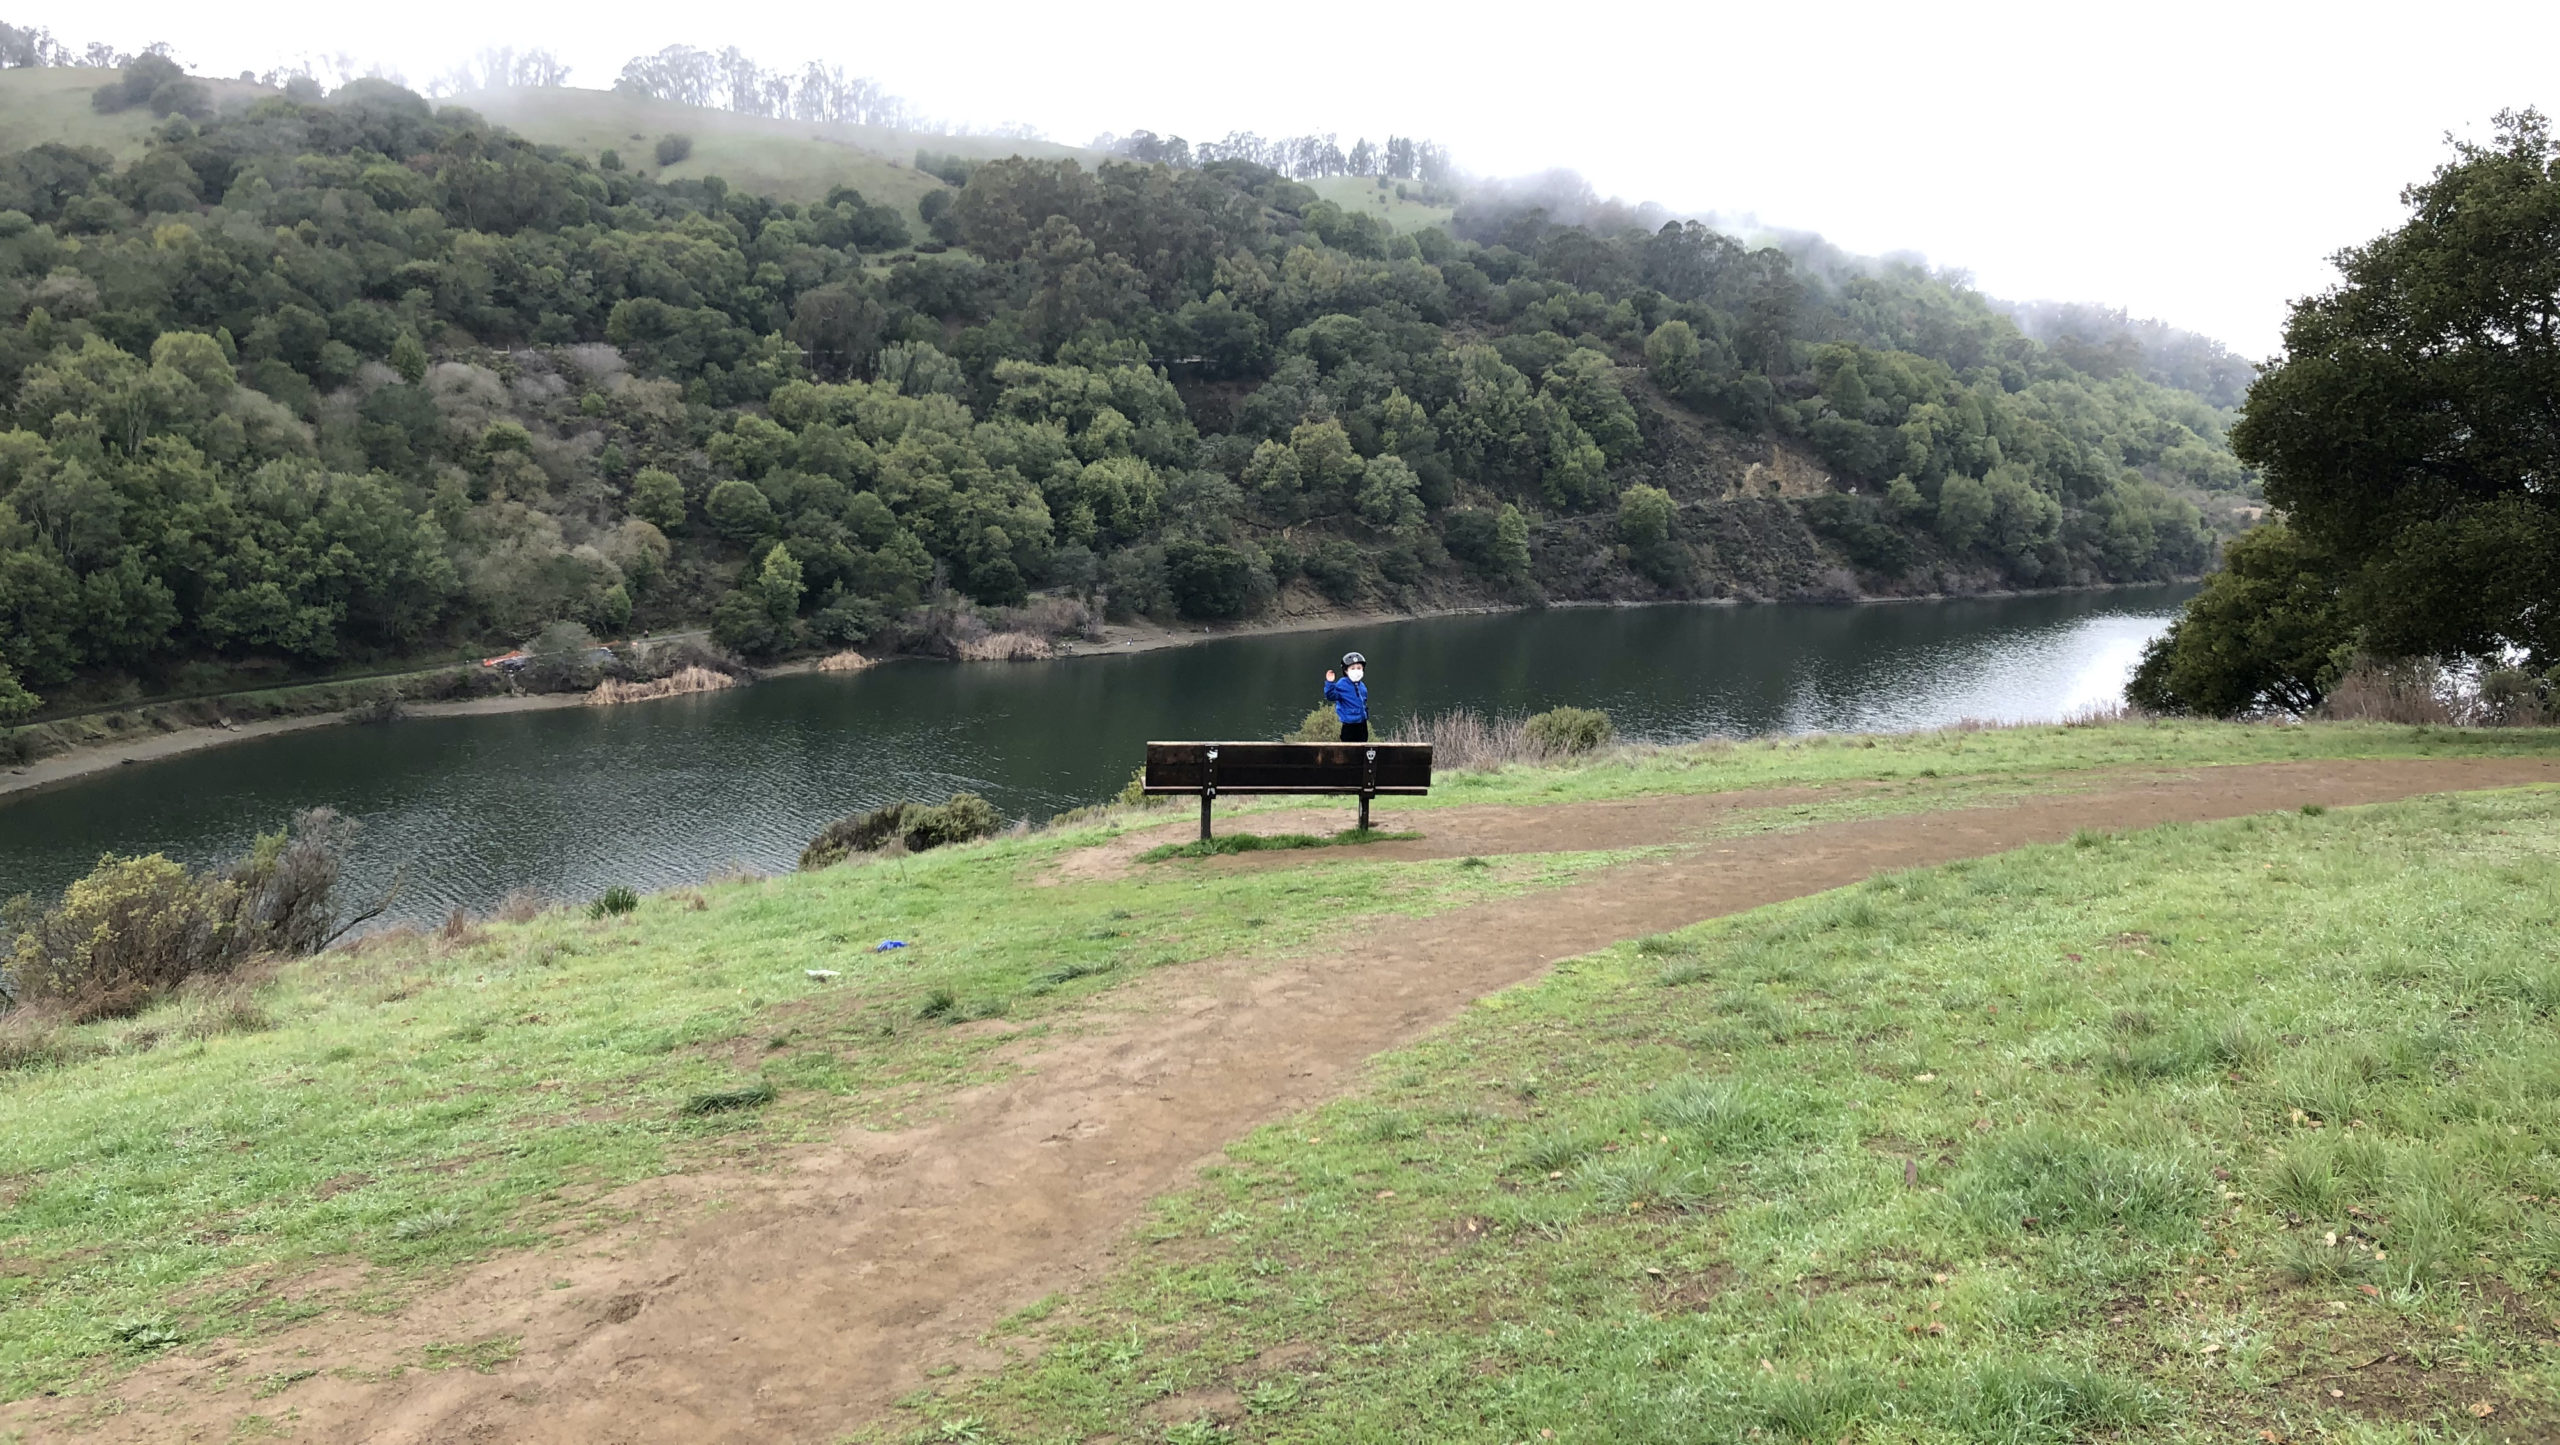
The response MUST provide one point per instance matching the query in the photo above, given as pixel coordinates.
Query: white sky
(2191, 161)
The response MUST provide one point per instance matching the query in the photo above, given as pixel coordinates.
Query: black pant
(1355, 732)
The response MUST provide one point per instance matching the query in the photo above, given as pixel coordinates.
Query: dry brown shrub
(1465, 740)
(1053, 618)
(2414, 692)
(679, 683)
(1007, 647)
(115, 1001)
(521, 906)
(234, 1015)
(845, 661)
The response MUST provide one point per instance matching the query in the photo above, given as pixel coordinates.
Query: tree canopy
(2410, 433)
(327, 380)
(2410, 427)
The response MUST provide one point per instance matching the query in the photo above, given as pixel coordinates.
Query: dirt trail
(812, 1297)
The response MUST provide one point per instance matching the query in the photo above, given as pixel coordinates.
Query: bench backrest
(1400, 768)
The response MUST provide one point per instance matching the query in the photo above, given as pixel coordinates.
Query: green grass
(1951, 763)
(40, 105)
(2165, 1137)
(790, 160)
(1361, 195)
(1228, 843)
(422, 1103)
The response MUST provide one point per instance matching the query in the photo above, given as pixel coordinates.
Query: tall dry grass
(1464, 740)
(1007, 647)
(2424, 691)
(845, 661)
(684, 680)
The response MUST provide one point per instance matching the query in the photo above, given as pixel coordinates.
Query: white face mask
(1355, 673)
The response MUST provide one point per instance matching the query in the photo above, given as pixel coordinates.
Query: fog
(2190, 162)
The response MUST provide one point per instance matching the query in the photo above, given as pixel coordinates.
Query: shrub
(959, 819)
(673, 148)
(1208, 581)
(1569, 731)
(1464, 739)
(1318, 726)
(729, 1101)
(613, 902)
(135, 927)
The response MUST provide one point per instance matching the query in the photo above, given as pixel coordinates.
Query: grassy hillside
(791, 160)
(2188, 1134)
(1733, 1107)
(39, 105)
(1362, 195)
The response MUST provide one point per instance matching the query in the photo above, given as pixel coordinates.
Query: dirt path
(796, 1305)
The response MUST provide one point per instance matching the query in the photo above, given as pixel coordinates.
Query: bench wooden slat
(1403, 769)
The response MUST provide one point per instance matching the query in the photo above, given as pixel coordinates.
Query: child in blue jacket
(1350, 697)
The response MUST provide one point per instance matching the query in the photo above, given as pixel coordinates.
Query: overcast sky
(2194, 162)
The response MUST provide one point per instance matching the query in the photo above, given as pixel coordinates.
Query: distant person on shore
(1350, 697)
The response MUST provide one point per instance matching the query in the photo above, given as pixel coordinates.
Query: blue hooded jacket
(1350, 699)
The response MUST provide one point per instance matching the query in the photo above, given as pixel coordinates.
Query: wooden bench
(1367, 769)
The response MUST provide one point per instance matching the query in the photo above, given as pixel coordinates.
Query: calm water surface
(568, 802)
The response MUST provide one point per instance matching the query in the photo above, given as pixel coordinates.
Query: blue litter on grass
(889, 943)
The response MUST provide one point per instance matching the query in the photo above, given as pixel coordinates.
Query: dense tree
(2408, 429)
(322, 381)
(2268, 632)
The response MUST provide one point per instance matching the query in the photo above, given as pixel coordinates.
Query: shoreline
(1117, 640)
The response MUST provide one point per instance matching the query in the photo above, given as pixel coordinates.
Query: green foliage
(730, 1101)
(2266, 633)
(658, 498)
(1208, 581)
(1568, 731)
(1644, 516)
(961, 818)
(331, 381)
(15, 700)
(135, 927)
(1320, 725)
(2405, 431)
(673, 148)
(613, 902)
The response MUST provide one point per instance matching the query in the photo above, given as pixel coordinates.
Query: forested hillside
(326, 381)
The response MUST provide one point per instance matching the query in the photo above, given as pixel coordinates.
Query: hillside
(2035, 1085)
(40, 104)
(802, 392)
(1377, 197)
(788, 160)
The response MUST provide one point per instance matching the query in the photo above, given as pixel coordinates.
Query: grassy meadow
(1600, 1201)
(40, 105)
(1363, 195)
(2240, 1130)
(786, 159)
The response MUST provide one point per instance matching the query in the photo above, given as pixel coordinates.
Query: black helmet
(1353, 659)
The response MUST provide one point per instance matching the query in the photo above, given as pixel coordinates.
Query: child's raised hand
(1328, 674)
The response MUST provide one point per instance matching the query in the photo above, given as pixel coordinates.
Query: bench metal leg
(1364, 812)
(1205, 795)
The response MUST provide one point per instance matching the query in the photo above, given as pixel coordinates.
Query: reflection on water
(652, 794)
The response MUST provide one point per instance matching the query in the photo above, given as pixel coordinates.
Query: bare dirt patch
(1474, 831)
(796, 1302)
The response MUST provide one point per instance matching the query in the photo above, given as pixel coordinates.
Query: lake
(570, 801)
